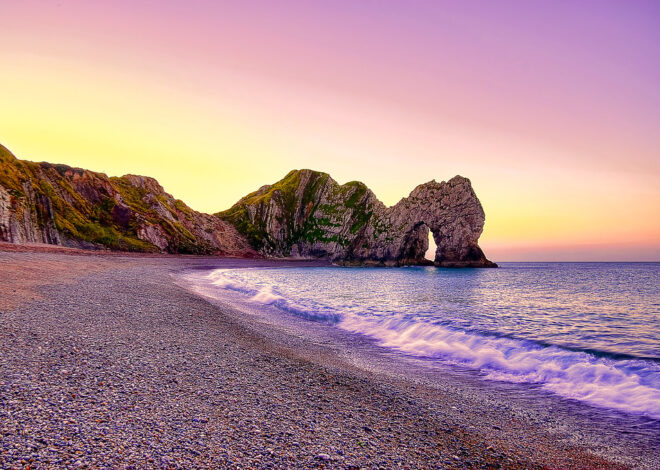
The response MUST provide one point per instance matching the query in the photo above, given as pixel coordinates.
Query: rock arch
(453, 214)
(307, 214)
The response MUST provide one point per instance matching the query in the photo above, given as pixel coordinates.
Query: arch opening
(419, 246)
(432, 247)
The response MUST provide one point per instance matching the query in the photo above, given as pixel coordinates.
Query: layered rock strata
(308, 214)
(60, 205)
(305, 215)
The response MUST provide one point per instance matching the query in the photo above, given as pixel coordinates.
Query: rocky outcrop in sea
(308, 214)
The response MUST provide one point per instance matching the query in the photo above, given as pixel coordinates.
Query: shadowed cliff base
(306, 215)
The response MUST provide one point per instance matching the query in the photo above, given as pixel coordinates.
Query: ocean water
(585, 331)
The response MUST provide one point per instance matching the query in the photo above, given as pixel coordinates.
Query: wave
(626, 385)
(629, 385)
(265, 295)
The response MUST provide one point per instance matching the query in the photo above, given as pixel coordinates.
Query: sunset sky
(551, 108)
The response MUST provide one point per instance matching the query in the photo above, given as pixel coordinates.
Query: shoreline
(528, 400)
(189, 382)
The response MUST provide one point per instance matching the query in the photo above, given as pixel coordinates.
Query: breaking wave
(626, 384)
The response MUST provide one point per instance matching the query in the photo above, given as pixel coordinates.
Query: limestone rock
(309, 215)
(305, 215)
(60, 205)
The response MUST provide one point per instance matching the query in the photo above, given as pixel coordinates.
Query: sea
(584, 331)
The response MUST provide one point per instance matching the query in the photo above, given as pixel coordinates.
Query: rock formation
(308, 214)
(60, 205)
(305, 215)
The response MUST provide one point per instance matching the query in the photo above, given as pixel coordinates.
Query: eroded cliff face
(305, 215)
(308, 214)
(450, 210)
(57, 204)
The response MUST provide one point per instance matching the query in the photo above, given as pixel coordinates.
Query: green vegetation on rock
(305, 214)
(306, 209)
(77, 207)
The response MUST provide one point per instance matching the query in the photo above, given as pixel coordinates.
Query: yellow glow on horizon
(209, 147)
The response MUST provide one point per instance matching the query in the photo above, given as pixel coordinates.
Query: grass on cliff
(250, 215)
(10, 173)
(46, 191)
(283, 194)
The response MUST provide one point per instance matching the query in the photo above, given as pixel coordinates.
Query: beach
(110, 361)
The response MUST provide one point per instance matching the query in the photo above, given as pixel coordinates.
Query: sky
(551, 108)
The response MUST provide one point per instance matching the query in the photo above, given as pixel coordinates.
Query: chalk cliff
(308, 214)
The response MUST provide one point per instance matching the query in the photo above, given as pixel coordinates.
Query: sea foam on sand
(629, 385)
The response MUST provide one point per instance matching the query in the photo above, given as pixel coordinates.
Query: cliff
(60, 205)
(308, 214)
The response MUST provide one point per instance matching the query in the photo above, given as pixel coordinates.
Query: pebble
(110, 371)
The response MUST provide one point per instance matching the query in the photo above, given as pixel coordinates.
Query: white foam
(618, 384)
(626, 385)
(266, 296)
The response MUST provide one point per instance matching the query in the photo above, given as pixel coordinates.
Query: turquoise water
(586, 331)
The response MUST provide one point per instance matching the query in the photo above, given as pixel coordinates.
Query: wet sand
(110, 361)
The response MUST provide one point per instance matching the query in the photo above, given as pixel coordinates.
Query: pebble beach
(109, 361)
